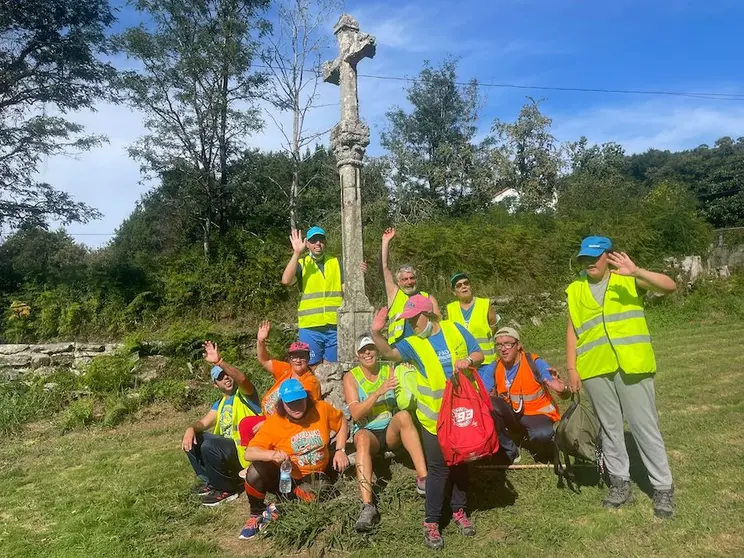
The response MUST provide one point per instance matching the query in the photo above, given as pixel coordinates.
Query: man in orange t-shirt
(299, 354)
(298, 431)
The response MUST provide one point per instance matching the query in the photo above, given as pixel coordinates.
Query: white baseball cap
(365, 341)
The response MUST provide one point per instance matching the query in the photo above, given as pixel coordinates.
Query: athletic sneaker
(463, 523)
(421, 486)
(201, 490)
(367, 519)
(252, 528)
(257, 523)
(217, 497)
(432, 537)
(664, 503)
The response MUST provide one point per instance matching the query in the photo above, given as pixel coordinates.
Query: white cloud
(661, 124)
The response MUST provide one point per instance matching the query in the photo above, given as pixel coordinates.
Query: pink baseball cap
(416, 305)
(299, 347)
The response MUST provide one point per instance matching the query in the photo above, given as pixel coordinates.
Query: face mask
(426, 331)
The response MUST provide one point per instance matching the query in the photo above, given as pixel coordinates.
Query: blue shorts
(488, 375)
(323, 343)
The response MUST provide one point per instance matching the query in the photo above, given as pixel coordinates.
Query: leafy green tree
(526, 156)
(49, 60)
(197, 87)
(432, 159)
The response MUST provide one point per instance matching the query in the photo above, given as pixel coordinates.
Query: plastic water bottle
(285, 477)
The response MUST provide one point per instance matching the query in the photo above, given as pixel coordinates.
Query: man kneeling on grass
(370, 393)
(299, 432)
(212, 443)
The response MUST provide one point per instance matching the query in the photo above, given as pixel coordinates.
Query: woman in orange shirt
(299, 354)
(298, 431)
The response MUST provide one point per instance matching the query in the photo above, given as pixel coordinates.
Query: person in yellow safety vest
(212, 443)
(370, 392)
(480, 318)
(608, 351)
(399, 287)
(320, 278)
(523, 402)
(437, 348)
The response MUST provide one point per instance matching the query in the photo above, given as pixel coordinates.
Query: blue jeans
(538, 429)
(323, 343)
(215, 461)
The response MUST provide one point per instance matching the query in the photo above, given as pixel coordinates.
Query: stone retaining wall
(19, 360)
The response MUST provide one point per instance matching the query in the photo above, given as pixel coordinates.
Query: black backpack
(577, 436)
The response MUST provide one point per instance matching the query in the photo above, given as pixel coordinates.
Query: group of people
(292, 443)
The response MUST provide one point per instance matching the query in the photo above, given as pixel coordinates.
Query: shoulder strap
(531, 362)
(248, 402)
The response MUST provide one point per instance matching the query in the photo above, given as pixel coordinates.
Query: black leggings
(440, 476)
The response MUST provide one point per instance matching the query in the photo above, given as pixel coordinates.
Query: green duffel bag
(577, 436)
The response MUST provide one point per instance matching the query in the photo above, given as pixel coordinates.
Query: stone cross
(349, 139)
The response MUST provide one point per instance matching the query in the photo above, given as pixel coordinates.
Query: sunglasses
(461, 284)
(220, 377)
(299, 356)
(316, 240)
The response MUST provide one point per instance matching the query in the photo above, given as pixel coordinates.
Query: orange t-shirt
(281, 371)
(305, 441)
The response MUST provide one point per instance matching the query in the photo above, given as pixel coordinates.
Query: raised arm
(212, 355)
(261, 351)
(391, 286)
(289, 276)
(493, 319)
(435, 304)
(645, 279)
(378, 324)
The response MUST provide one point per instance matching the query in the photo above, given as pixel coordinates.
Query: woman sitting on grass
(299, 431)
(370, 393)
(297, 367)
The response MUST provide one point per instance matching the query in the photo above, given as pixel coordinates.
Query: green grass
(124, 491)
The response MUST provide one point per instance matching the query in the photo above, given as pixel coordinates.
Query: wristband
(341, 449)
(220, 362)
(470, 360)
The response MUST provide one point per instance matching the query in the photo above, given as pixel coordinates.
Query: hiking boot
(367, 519)
(664, 503)
(620, 493)
(432, 537)
(421, 486)
(201, 490)
(252, 528)
(463, 523)
(217, 497)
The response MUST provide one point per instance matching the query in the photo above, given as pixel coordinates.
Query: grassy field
(124, 491)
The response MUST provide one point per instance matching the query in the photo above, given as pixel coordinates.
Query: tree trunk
(294, 187)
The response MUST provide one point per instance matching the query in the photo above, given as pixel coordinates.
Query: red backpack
(465, 427)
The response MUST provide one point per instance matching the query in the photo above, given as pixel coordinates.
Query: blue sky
(674, 45)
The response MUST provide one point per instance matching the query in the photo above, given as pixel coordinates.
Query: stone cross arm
(353, 46)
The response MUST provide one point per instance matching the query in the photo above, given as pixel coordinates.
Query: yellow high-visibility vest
(432, 379)
(242, 406)
(478, 325)
(321, 293)
(396, 326)
(611, 336)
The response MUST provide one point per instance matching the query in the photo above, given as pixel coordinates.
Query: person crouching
(299, 431)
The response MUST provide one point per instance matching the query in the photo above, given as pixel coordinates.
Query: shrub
(77, 415)
(109, 374)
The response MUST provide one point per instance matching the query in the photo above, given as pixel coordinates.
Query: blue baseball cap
(315, 231)
(215, 372)
(594, 246)
(292, 390)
